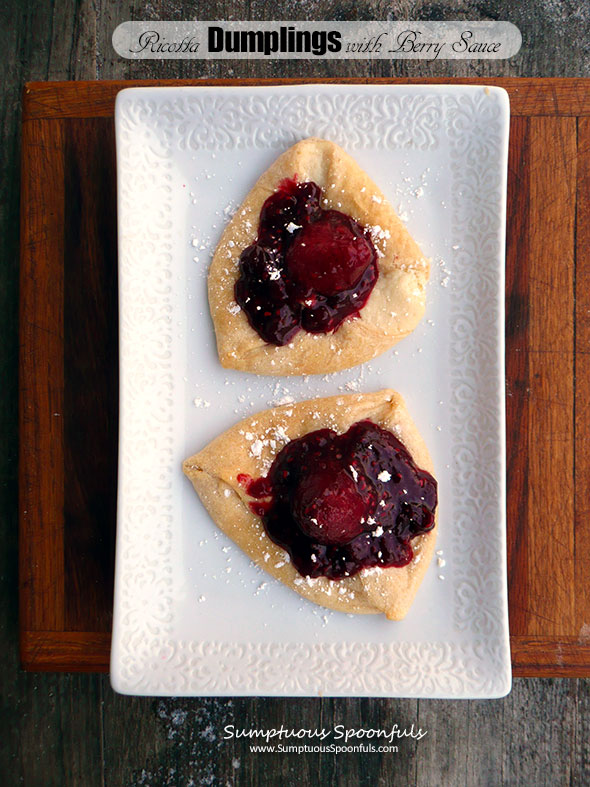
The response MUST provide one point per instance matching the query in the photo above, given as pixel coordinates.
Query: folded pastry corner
(315, 272)
(334, 497)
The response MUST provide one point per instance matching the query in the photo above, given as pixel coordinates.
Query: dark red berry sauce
(341, 503)
(308, 268)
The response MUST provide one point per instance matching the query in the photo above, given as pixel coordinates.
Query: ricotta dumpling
(334, 497)
(315, 272)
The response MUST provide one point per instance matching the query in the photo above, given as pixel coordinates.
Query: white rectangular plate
(193, 615)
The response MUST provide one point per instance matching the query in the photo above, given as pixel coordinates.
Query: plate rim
(503, 686)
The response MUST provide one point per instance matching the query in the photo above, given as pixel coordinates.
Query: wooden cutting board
(69, 376)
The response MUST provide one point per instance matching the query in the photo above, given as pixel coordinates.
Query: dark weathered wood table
(71, 729)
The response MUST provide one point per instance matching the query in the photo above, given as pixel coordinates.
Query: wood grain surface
(71, 729)
(67, 580)
(539, 97)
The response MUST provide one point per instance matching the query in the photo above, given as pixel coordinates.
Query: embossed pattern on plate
(186, 157)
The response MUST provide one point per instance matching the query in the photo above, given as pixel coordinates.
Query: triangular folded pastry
(287, 289)
(224, 473)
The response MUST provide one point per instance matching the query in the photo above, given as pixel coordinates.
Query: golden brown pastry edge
(213, 472)
(396, 304)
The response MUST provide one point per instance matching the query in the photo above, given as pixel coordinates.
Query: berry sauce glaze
(341, 503)
(308, 268)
